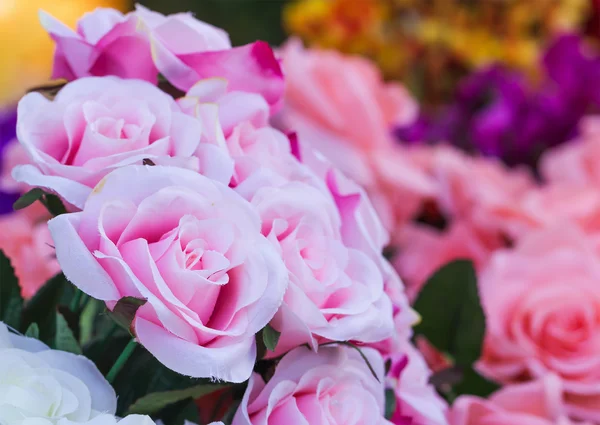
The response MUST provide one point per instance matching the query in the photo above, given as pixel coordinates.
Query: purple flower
(496, 113)
(8, 124)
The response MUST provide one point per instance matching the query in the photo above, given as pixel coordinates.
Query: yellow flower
(26, 57)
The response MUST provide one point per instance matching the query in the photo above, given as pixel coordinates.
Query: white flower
(43, 386)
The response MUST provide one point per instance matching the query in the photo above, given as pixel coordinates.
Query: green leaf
(88, 318)
(124, 311)
(53, 204)
(451, 315)
(390, 403)
(64, 339)
(179, 413)
(41, 309)
(154, 402)
(11, 301)
(28, 198)
(475, 384)
(33, 331)
(270, 337)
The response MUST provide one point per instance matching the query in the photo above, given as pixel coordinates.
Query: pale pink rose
(575, 162)
(533, 403)
(341, 107)
(95, 125)
(344, 94)
(554, 204)
(106, 42)
(331, 387)
(233, 107)
(336, 293)
(423, 250)
(542, 304)
(263, 158)
(25, 240)
(189, 245)
(186, 50)
(417, 402)
(481, 191)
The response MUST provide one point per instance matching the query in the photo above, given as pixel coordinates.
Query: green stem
(74, 306)
(116, 368)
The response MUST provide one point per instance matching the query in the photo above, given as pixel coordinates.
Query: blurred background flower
(25, 46)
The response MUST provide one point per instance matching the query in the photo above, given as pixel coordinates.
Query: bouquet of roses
(210, 267)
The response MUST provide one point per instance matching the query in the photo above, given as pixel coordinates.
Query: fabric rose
(556, 203)
(103, 419)
(186, 50)
(97, 124)
(341, 107)
(106, 42)
(532, 403)
(480, 190)
(25, 240)
(192, 248)
(333, 387)
(542, 305)
(417, 402)
(336, 293)
(48, 386)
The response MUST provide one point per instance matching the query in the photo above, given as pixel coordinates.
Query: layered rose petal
(95, 125)
(336, 293)
(186, 50)
(333, 386)
(534, 403)
(106, 43)
(49, 385)
(542, 304)
(192, 248)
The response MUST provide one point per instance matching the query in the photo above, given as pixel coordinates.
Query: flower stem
(75, 301)
(116, 368)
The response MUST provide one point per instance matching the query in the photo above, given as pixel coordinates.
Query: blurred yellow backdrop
(25, 48)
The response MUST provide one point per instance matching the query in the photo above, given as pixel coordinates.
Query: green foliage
(11, 301)
(124, 311)
(390, 403)
(64, 339)
(452, 317)
(270, 337)
(453, 320)
(52, 202)
(153, 402)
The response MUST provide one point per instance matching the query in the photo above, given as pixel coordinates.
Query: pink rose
(554, 204)
(189, 245)
(25, 240)
(533, 403)
(97, 124)
(186, 50)
(105, 43)
(340, 106)
(575, 162)
(423, 250)
(232, 107)
(345, 95)
(480, 190)
(417, 402)
(333, 387)
(336, 293)
(542, 303)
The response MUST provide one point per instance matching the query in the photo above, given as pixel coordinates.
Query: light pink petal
(231, 362)
(77, 262)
